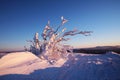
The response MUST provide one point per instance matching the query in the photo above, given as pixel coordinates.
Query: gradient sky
(20, 19)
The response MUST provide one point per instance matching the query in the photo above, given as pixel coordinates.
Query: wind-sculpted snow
(23, 63)
(77, 67)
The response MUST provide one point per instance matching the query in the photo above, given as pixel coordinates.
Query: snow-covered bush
(51, 47)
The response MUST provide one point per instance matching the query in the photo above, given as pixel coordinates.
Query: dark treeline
(96, 51)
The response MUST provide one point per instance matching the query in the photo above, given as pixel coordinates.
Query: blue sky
(20, 19)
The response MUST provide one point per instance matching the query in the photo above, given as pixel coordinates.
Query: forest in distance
(98, 50)
(92, 50)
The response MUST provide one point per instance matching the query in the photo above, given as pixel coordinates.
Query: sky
(20, 19)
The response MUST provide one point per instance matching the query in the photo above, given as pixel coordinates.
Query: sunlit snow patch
(24, 63)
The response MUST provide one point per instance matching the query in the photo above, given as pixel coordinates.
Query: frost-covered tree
(51, 47)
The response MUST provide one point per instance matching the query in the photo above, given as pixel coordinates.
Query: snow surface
(27, 66)
(24, 63)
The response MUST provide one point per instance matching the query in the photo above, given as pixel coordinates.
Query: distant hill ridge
(98, 49)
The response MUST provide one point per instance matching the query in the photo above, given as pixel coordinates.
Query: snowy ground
(26, 66)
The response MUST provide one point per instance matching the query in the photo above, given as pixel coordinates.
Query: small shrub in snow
(51, 47)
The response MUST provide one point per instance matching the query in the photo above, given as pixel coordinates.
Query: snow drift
(26, 66)
(23, 63)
